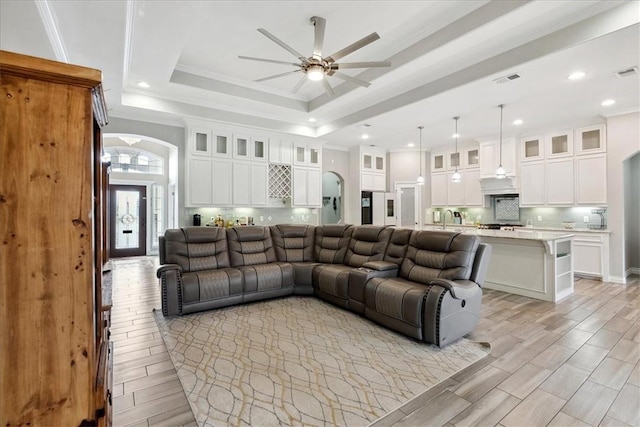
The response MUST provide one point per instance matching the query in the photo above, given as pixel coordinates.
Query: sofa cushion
(263, 277)
(211, 284)
(368, 243)
(398, 244)
(439, 254)
(330, 282)
(196, 248)
(331, 243)
(293, 242)
(250, 246)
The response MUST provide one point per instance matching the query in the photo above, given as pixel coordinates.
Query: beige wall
(337, 161)
(623, 141)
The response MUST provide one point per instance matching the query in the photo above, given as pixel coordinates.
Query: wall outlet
(261, 218)
(585, 218)
(539, 217)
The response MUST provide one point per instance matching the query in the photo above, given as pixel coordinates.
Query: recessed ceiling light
(518, 122)
(144, 85)
(364, 136)
(411, 144)
(608, 102)
(577, 75)
(312, 119)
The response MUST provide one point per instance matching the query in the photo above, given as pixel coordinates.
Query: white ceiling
(444, 54)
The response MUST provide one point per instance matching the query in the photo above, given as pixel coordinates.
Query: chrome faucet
(444, 218)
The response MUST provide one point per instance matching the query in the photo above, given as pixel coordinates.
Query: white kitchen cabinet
(559, 144)
(559, 186)
(591, 254)
(259, 148)
(373, 160)
(455, 191)
(241, 148)
(591, 180)
(221, 144)
(532, 148)
(307, 187)
(490, 157)
(200, 182)
(471, 158)
(200, 142)
(472, 192)
(532, 184)
(241, 183)
(439, 189)
(591, 139)
(259, 184)
(307, 154)
(454, 161)
(249, 184)
(372, 181)
(222, 180)
(438, 162)
(280, 151)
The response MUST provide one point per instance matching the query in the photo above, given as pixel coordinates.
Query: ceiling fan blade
(353, 47)
(372, 64)
(282, 44)
(348, 78)
(272, 61)
(328, 87)
(277, 75)
(298, 85)
(318, 40)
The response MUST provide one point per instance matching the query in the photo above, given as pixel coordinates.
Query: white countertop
(459, 227)
(527, 234)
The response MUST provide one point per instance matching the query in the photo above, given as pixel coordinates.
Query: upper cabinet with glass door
(307, 154)
(200, 142)
(259, 148)
(372, 159)
(438, 162)
(241, 147)
(559, 144)
(591, 139)
(221, 144)
(454, 160)
(471, 157)
(532, 148)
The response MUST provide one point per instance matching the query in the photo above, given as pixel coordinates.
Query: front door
(128, 220)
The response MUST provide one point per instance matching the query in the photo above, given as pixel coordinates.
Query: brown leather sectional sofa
(425, 284)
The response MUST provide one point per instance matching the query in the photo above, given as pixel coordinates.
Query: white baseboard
(632, 270)
(618, 279)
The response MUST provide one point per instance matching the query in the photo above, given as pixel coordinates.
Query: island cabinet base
(541, 269)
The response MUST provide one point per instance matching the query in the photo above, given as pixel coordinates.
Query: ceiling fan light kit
(316, 67)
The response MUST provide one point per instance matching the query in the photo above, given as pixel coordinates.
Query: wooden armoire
(54, 348)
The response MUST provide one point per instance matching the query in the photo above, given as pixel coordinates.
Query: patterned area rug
(299, 360)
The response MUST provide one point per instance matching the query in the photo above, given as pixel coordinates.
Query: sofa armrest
(168, 267)
(170, 276)
(380, 265)
(459, 289)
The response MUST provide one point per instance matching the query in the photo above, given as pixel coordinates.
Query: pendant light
(420, 180)
(500, 172)
(456, 177)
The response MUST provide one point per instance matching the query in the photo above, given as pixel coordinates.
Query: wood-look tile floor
(574, 363)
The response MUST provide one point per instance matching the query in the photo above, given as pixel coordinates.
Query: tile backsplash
(261, 216)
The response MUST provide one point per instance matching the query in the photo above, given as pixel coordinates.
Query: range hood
(507, 185)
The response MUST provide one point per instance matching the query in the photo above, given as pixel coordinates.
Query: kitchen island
(535, 264)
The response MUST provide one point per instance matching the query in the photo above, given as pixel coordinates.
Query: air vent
(508, 78)
(626, 72)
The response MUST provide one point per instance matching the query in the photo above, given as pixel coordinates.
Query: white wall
(632, 213)
(337, 161)
(623, 141)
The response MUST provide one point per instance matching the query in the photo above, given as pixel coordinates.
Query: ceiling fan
(316, 67)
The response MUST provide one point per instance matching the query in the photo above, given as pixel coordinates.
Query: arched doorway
(332, 190)
(144, 168)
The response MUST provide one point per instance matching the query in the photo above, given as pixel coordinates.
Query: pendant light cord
(456, 119)
(420, 127)
(501, 109)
